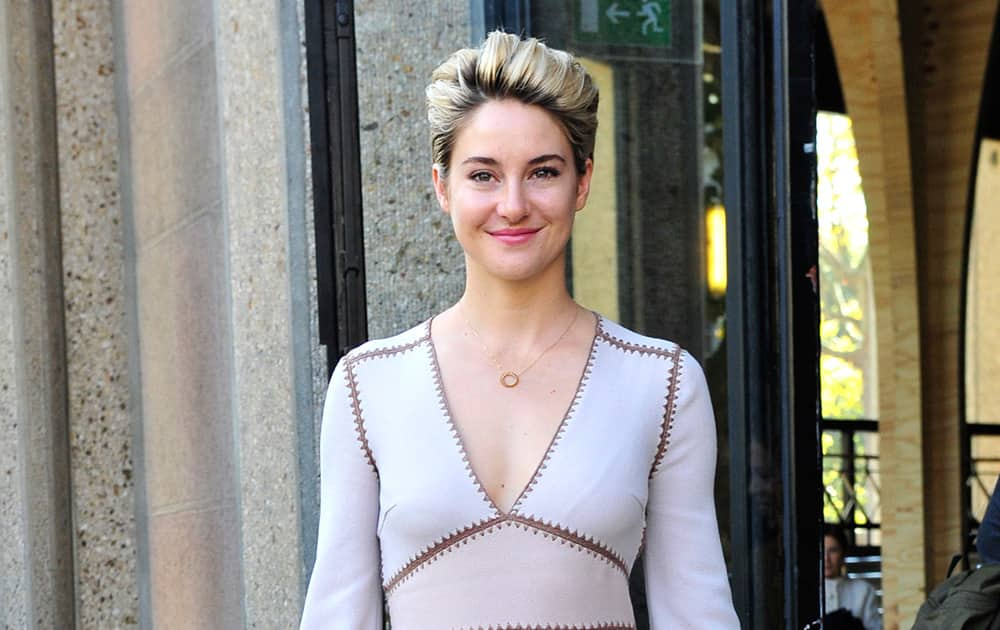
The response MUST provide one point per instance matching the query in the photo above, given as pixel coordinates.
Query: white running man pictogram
(652, 12)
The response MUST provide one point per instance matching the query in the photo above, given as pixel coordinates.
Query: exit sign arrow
(614, 13)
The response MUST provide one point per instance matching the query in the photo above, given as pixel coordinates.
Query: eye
(481, 177)
(545, 172)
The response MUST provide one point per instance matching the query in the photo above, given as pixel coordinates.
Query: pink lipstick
(514, 236)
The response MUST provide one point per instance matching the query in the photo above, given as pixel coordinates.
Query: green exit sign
(629, 22)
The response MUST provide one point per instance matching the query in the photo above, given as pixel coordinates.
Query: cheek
(556, 200)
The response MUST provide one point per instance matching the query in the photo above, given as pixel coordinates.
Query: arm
(345, 591)
(686, 581)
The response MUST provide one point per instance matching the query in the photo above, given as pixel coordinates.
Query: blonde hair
(505, 66)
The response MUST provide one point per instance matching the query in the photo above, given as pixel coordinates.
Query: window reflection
(849, 356)
(849, 362)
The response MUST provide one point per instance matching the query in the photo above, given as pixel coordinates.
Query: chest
(582, 460)
(471, 439)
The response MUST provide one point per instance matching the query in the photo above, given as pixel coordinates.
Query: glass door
(649, 251)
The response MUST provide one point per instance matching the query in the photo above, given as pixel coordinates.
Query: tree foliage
(844, 271)
(847, 362)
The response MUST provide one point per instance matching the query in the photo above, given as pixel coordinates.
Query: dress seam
(669, 412)
(463, 536)
(445, 407)
(359, 424)
(575, 538)
(567, 417)
(636, 348)
(429, 554)
(351, 360)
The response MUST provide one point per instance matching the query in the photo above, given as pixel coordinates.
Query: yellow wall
(595, 233)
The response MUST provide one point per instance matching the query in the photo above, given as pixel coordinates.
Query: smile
(514, 236)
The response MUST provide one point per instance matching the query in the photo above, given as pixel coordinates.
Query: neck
(516, 314)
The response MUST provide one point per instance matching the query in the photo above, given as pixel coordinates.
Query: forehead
(510, 128)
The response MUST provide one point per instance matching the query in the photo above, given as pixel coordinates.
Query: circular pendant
(509, 379)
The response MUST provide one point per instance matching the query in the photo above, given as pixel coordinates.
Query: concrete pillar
(214, 181)
(36, 559)
(100, 431)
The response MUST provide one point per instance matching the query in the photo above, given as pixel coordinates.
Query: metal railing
(851, 477)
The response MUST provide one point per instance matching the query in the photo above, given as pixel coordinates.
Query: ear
(583, 185)
(440, 187)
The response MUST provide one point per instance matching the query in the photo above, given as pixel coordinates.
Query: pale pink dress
(630, 470)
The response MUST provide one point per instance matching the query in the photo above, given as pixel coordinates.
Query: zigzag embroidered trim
(573, 537)
(669, 411)
(461, 537)
(357, 357)
(584, 378)
(641, 349)
(608, 625)
(359, 425)
(446, 410)
(427, 555)
(350, 377)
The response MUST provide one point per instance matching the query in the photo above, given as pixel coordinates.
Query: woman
(846, 599)
(503, 464)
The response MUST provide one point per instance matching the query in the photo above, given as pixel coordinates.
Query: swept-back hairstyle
(506, 66)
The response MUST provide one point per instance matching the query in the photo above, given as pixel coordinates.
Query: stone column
(261, 146)
(36, 559)
(217, 252)
(100, 430)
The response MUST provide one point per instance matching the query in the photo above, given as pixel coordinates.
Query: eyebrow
(478, 159)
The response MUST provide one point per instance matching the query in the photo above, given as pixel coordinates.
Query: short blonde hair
(506, 66)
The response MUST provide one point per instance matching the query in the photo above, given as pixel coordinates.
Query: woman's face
(512, 190)
(833, 557)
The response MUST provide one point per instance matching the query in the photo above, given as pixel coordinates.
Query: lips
(514, 236)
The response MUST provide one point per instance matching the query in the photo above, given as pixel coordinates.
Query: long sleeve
(345, 591)
(686, 580)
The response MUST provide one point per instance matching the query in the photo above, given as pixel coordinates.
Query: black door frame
(332, 84)
(769, 115)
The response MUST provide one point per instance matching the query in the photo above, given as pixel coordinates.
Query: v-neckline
(460, 441)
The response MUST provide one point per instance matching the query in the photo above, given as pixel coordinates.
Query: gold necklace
(510, 378)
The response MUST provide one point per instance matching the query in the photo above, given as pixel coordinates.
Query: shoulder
(630, 342)
(389, 347)
(658, 353)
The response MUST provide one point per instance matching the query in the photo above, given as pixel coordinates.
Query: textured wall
(413, 264)
(96, 333)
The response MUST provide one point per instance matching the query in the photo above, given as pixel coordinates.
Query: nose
(513, 205)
